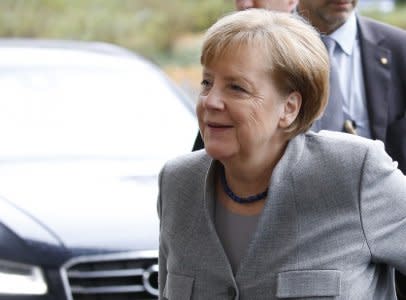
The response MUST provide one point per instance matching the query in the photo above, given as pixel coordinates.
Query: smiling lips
(217, 126)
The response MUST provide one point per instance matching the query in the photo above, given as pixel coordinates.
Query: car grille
(106, 277)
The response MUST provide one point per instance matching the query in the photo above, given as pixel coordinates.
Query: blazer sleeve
(383, 208)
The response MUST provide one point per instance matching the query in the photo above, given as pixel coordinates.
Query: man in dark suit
(371, 61)
(375, 97)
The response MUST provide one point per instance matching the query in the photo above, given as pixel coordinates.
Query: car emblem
(150, 280)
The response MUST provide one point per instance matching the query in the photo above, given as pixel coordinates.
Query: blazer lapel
(209, 211)
(277, 226)
(376, 60)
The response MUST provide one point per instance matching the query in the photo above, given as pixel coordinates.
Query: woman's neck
(251, 174)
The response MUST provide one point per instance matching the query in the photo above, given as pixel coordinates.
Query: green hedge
(149, 27)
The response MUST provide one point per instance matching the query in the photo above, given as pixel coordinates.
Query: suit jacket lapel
(376, 60)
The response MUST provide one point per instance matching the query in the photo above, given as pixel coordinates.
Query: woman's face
(239, 108)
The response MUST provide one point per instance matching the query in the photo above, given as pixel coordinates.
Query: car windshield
(95, 109)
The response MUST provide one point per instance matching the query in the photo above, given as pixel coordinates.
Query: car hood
(105, 205)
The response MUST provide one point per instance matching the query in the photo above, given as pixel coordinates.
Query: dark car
(84, 131)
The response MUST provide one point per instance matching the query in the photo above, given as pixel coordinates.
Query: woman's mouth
(218, 125)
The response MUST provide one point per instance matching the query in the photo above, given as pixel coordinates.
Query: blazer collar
(285, 165)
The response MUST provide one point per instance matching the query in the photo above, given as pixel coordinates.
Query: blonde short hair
(294, 55)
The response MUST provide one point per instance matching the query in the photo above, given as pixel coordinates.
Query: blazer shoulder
(328, 137)
(341, 145)
(184, 171)
(346, 152)
(181, 190)
(195, 160)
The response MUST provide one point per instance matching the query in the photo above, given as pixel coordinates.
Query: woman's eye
(204, 83)
(205, 86)
(237, 88)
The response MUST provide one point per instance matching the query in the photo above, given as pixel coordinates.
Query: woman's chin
(217, 151)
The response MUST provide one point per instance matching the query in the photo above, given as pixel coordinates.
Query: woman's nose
(213, 100)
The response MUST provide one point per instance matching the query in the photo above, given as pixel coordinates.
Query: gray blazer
(333, 226)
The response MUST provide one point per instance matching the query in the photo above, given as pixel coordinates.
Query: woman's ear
(292, 105)
(292, 4)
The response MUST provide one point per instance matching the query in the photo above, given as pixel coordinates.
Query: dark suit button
(231, 292)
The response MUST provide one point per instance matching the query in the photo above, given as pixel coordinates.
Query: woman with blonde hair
(270, 210)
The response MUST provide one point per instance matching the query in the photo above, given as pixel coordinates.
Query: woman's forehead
(236, 52)
(245, 63)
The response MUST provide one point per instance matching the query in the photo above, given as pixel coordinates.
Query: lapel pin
(384, 60)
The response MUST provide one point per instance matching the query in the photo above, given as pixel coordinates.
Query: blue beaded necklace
(241, 200)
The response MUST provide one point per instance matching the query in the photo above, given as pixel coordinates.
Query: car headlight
(21, 279)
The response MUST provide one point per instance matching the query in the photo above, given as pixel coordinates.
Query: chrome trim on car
(146, 274)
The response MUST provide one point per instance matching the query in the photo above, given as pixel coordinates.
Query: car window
(98, 108)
